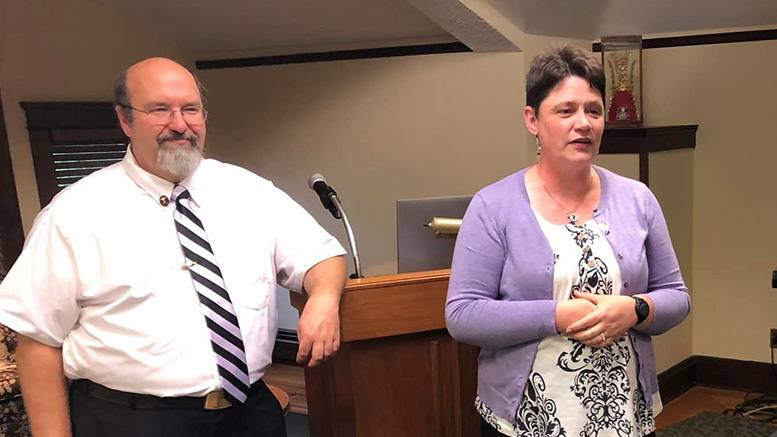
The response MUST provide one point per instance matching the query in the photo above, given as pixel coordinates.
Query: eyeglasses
(162, 115)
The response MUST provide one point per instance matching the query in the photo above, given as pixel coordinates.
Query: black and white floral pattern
(538, 412)
(488, 415)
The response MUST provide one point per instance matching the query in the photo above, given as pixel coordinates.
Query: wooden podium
(398, 372)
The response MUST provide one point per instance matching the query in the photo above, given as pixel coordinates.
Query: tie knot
(180, 192)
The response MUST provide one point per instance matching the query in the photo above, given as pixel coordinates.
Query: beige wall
(378, 129)
(62, 51)
(671, 180)
(728, 91)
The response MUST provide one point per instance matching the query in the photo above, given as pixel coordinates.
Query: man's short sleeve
(300, 242)
(38, 298)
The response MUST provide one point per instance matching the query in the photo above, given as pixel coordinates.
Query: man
(151, 283)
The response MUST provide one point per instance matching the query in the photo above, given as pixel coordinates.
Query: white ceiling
(590, 19)
(206, 27)
(234, 28)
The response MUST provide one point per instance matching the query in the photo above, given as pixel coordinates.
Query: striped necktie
(214, 300)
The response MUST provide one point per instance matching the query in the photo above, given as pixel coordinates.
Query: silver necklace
(571, 215)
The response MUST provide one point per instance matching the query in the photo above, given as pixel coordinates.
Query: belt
(212, 401)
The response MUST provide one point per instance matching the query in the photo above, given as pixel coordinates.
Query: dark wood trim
(70, 115)
(649, 139)
(704, 39)
(50, 123)
(286, 346)
(725, 373)
(646, 140)
(11, 231)
(676, 380)
(341, 55)
(735, 374)
(41, 149)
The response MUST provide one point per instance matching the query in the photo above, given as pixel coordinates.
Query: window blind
(74, 160)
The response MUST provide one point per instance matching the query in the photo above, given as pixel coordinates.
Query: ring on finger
(603, 337)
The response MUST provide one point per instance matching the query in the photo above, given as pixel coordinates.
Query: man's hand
(614, 316)
(319, 323)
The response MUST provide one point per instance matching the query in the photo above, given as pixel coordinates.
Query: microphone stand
(349, 232)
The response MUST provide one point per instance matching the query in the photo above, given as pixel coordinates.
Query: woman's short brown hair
(557, 63)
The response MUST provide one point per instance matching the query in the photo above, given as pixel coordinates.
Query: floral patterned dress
(573, 389)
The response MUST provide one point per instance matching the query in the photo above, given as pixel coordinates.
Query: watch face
(642, 309)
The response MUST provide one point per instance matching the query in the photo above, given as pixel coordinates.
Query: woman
(562, 272)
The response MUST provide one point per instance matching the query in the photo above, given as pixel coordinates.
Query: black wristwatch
(642, 309)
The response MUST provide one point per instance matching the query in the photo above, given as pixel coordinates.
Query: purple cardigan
(500, 295)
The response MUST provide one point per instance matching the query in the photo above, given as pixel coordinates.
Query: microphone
(329, 199)
(317, 183)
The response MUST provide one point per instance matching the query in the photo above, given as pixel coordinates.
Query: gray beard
(179, 161)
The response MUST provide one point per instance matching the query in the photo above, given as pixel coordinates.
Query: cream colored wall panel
(727, 90)
(62, 51)
(378, 129)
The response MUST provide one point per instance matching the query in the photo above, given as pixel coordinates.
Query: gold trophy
(622, 59)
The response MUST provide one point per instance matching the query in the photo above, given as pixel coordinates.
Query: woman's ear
(530, 117)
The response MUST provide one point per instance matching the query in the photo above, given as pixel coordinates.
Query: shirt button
(626, 285)
(606, 232)
(164, 201)
(547, 268)
(620, 256)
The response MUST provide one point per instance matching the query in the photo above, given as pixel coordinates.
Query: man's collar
(156, 187)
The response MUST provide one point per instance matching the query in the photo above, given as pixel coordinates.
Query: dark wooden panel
(340, 396)
(651, 139)
(286, 347)
(676, 380)
(408, 386)
(317, 404)
(468, 384)
(366, 312)
(418, 383)
(40, 142)
(717, 372)
(342, 55)
(645, 140)
(705, 39)
(70, 127)
(11, 232)
(395, 393)
(70, 115)
(734, 374)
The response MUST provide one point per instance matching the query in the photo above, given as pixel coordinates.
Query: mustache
(191, 137)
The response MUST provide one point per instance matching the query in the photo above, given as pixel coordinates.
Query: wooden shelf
(645, 140)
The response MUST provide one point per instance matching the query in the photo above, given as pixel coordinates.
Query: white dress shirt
(102, 276)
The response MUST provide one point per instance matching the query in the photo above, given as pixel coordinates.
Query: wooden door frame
(11, 231)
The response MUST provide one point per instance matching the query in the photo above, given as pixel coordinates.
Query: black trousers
(90, 416)
(487, 430)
